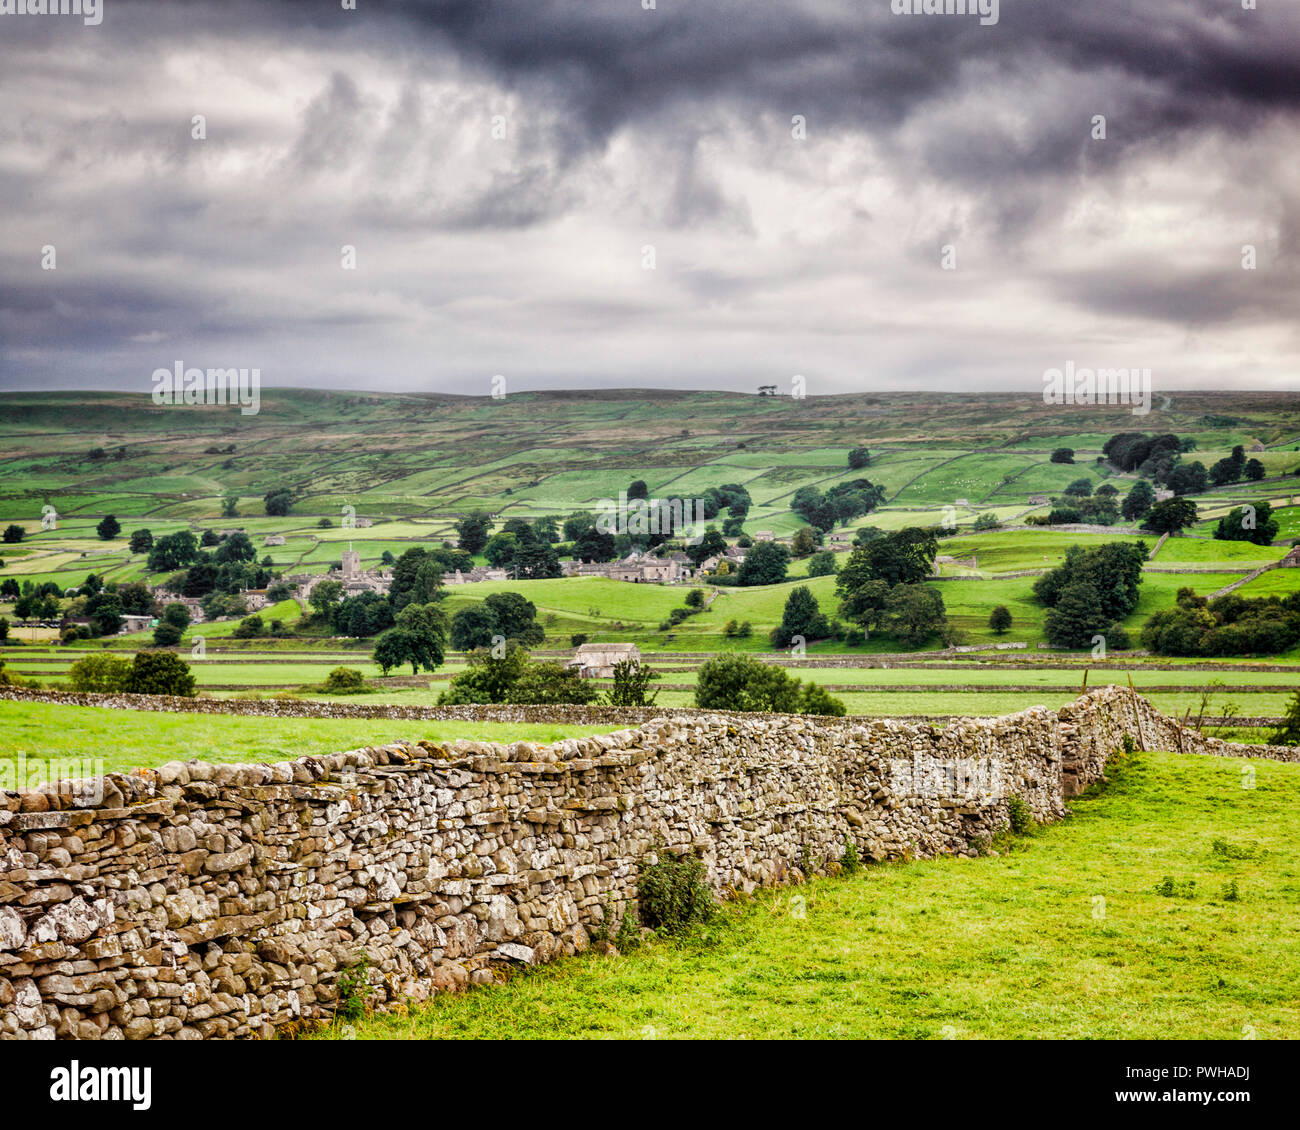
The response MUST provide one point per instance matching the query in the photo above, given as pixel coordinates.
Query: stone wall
(198, 900)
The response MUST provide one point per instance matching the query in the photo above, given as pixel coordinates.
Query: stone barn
(597, 660)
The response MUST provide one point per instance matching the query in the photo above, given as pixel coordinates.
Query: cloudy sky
(507, 172)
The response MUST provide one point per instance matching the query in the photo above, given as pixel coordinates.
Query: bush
(577, 639)
(1019, 816)
(167, 635)
(102, 674)
(249, 628)
(159, 672)
(344, 680)
(672, 894)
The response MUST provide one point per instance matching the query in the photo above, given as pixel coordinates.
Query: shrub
(1019, 816)
(577, 639)
(849, 861)
(249, 628)
(166, 635)
(344, 680)
(632, 685)
(672, 894)
(354, 990)
(103, 674)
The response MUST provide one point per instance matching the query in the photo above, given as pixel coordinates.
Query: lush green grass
(128, 739)
(1016, 946)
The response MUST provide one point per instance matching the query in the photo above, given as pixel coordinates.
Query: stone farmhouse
(597, 660)
(636, 568)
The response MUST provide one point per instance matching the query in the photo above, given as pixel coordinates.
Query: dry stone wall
(205, 901)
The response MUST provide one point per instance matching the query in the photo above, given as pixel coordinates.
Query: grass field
(127, 739)
(1008, 947)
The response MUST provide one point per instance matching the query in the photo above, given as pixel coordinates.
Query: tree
(1080, 488)
(802, 617)
(764, 564)
(551, 682)
(490, 676)
(1254, 470)
(1249, 523)
(99, 674)
(822, 564)
(592, 544)
(1226, 471)
(160, 672)
(740, 682)
(632, 685)
(500, 549)
(638, 489)
(903, 557)
(516, 617)
(914, 613)
(141, 541)
(249, 628)
(1188, 478)
(711, 544)
(14, 534)
(695, 598)
(859, 457)
(1074, 619)
(419, 638)
(173, 551)
(472, 531)
(1114, 571)
(1000, 619)
(1289, 732)
(804, 541)
(325, 594)
(986, 521)
(1138, 500)
(177, 614)
(230, 506)
(108, 528)
(278, 502)
(166, 635)
(237, 547)
(1171, 516)
(472, 627)
(1063, 455)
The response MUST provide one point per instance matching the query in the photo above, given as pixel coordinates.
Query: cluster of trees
(503, 616)
(1249, 523)
(1080, 503)
(842, 503)
(525, 550)
(1063, 455)
(1151, 456)
(149, 672)
(741, 682)
(278, 502)
(1228, 625)
(1090, 593)
(1235, 467)
(881, 589)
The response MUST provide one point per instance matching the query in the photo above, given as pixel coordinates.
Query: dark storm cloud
(626, 128)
